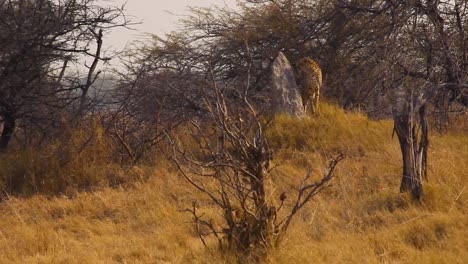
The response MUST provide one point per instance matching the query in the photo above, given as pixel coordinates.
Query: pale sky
(157, 17)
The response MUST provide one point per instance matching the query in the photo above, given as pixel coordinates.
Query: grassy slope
(361, 218)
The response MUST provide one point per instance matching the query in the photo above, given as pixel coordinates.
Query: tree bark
(412, 158)
(411, 127)
(424, 141)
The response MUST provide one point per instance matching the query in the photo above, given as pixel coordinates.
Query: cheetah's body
(309, 80)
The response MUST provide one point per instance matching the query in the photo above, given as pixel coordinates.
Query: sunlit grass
(360, 218)
(331, 131)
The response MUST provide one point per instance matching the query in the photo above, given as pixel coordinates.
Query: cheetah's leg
(315, 102)
(306, 103)
(313, 108)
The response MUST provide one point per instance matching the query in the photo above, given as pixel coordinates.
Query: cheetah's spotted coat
(309, 80)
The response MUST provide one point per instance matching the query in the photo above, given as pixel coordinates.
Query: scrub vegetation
(137, 215)
(177, 157)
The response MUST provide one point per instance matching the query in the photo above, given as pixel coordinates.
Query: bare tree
(425, 58)
(228, 158)
(155, 93)
(38, 39)
(412, 129)
(143, 113)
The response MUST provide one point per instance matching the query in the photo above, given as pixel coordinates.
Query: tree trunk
(424, 141)
(9, 125)
(411, 127)
(412, 159)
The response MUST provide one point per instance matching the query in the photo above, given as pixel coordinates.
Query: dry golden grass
(360, 218)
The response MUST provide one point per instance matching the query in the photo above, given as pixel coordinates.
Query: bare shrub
(228, 158)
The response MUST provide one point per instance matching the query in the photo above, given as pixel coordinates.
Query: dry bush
(231, 165)
(80, 158)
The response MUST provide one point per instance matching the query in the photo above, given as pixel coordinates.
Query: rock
(285, 96)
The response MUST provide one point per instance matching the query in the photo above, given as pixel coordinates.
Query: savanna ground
(360, 218)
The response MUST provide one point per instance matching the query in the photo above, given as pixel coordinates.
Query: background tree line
(366, 50)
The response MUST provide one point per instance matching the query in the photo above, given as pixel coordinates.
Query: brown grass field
(360, 218)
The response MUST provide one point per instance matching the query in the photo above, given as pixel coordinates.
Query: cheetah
(309, 80)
